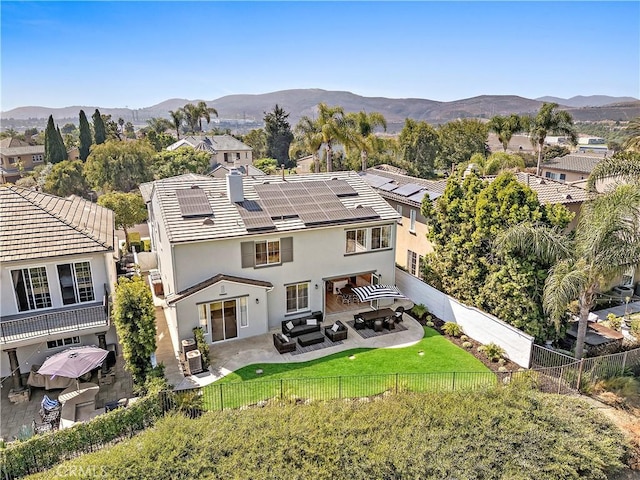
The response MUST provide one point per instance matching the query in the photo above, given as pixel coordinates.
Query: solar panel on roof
(375, 180)
(417, 197)
(193, 202)
(408, 189)
(387, 187)
(341, 188)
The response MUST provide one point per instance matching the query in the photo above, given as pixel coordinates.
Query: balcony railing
(54, 322)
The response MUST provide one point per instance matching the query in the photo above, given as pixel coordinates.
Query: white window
(61, 342)
(76, 284)
(222, 317)
(412, 221)
(204, 321)
(412, 262)
(380, 237)
(356, 240)
(244, 319)
(36, 158)
(31, 288)
(13, 160)
(297, 297)
(267, 252)
(399, 208)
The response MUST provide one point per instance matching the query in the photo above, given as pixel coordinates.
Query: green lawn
(443, 366)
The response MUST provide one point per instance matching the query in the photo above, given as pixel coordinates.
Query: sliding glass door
(224, 320)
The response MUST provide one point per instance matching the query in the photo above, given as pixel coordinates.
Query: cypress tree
(99, 130)
(85, 136)
(61, 148)
(50, 140)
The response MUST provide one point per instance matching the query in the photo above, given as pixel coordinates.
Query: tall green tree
(66, 178)
(549, 121)
(279, 135)
(633, 130)
(205, 112)
(169, 163)
(159, 125)
(99, 129)
(623, 166)
(463, 225)
(308, 139)
(85, 137)
(54, 149)
(62, 147)
(134, 318)
(129, 210)
(419, 144)
(257, 140)
(459, 140)
(120, 166)
(177, 118)
(364, 137)
(333, 128)
(506, 127)
(606, 243)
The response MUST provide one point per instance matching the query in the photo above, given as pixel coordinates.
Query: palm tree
(633, 129)
(176, 120)
(191, 115)
(505, 127)
(332, 125)
(205, 112)
(159, 125)
(623, 165)
(605, 244)
(363, 125)
(308, 138)
(550, 121)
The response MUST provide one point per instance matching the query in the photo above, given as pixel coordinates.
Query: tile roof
(13, 142)
(37, 225)
(211, 143)
(573, 163)
(25, 150)
(549, 191)
(227, 221)
(171, 299)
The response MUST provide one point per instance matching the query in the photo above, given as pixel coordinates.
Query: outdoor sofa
(300, 326)
(282, 345)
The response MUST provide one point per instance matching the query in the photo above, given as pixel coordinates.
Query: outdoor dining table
(373, 315)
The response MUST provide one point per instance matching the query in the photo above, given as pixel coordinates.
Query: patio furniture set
(377, 320)
(307, 331)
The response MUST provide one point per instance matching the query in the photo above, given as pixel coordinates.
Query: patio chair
(398, 314)
(346, 298)
(41, 427)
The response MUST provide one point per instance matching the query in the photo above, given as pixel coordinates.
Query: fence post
(396, 383)
(562, 368)
(580, 374)
(624, 362)
(281, 391)
(454, 382)
(221, 398)
(340, 386)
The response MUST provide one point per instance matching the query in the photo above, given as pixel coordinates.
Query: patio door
(375, 280)
(224, 320)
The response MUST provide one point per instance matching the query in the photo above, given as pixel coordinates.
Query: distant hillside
(302, 102)
(589, 101)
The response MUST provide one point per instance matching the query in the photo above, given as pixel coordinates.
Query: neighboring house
(57, 269)
(239, 255)
(224, 149)
(405, 193)
(221, 171)
(18, 157)
(570, 168)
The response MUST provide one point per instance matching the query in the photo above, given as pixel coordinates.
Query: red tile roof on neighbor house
(37, 225)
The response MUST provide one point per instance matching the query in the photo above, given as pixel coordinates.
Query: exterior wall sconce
(257, 301)
(316, 286)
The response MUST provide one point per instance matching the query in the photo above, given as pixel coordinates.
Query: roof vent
(195, 186)
(541, 181)
(567, 196)
(208, 221)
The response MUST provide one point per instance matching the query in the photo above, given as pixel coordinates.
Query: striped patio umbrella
(369, 293)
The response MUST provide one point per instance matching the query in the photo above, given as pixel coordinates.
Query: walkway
(229, 356)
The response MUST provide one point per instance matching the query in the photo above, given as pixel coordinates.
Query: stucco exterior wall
(569, 176)
(407, 239)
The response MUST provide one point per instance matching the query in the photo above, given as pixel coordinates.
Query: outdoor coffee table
(310, 339)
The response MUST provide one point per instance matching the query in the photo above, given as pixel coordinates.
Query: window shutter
(286, 249)
(248, 254)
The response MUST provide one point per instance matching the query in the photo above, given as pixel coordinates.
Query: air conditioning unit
(194, 362)
(188, 345)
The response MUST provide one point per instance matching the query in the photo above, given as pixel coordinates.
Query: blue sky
(136, 54)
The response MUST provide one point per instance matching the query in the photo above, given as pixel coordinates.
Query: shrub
(452, 329)
(419, 310)
(634, 328)
(430, 324)
(467, 345)
(614, 322)
(464, 338)
(492, 351)
(198, 334)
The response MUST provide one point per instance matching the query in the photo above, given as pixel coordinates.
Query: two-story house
(57, 269)
(570, 168)
(224, 149)
(18, 157)
(238, 255)
(405, 194)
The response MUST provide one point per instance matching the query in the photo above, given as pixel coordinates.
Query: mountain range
(245, 108)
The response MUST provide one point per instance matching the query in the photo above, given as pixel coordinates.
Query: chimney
(363, 158)
(235, 188)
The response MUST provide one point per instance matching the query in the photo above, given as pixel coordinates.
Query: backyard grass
(354, 373)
